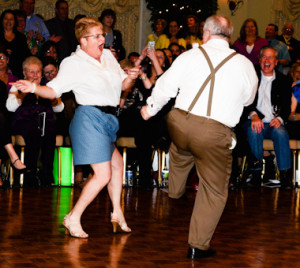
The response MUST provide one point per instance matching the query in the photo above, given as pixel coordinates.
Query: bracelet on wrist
(33, 88)
(143, 77)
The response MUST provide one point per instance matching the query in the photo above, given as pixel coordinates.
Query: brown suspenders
(210, 77)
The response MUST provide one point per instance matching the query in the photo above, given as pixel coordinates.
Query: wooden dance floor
(259, 228)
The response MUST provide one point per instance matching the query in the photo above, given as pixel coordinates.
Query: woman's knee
(102, 172)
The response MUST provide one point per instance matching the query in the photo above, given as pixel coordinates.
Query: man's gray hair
(219, 25)
(268, 47)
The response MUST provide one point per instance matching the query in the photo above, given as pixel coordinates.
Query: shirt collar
(218, 42)
(267, 78)
(79, 52)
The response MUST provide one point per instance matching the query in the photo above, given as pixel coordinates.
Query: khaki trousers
(205, 143)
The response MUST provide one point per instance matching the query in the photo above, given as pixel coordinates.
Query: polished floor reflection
(259, 228)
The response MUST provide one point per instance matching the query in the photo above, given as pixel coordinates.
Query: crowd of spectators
(32, 49)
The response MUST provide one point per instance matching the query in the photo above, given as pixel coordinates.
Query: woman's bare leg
(115, 189)
(13, 156)
(100, 178)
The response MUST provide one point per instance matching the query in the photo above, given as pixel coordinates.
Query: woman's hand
(144, 53)
(144, 113)
(151, 54)
(133, 73)
(141, 57)
(24, 86)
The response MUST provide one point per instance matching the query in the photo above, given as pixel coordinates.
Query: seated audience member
(34, 120)
(175, 50)
(33, 44)
(201, 29)
(172, 36)
(158, 29)
(268, 114)
(14, 42)
(49, 48)
(113, 39)
(78, 17)
(192, 33)
(50, 70)
(249, 43)
(6, 75)
(5, 136)
(146, 133)
(293, 125)
(63, 29)
(169, 55)
(133, 56)
(284, 58)
(292, 43)
(35, 25)
(182, 49)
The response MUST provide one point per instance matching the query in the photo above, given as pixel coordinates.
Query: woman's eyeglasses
(50, 72)
(96, 36)
(51, 51)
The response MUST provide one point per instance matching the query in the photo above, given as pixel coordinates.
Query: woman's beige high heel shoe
(118, 226)
(74, 229)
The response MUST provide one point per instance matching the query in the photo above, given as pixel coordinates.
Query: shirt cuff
(251, 114)
(280, 119)
(58, 108)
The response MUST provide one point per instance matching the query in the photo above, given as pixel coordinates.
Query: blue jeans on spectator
(280, 139)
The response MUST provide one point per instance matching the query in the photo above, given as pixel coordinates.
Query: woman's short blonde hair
(83, 25)
(31, 60)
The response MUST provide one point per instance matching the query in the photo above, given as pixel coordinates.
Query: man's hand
(257, 124)
(55, 38)
(144, 113)
(275, 123)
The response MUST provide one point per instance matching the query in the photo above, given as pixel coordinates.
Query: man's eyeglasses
(96, 36)
(3, 58)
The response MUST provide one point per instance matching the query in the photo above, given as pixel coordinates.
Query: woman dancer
(96, 79)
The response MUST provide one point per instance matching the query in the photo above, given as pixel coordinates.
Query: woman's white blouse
(92, 82)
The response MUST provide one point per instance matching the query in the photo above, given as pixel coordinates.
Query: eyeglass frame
(50, 72)
(96, 36)
(51, 51)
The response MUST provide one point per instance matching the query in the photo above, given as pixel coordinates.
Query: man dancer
(201, 129)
